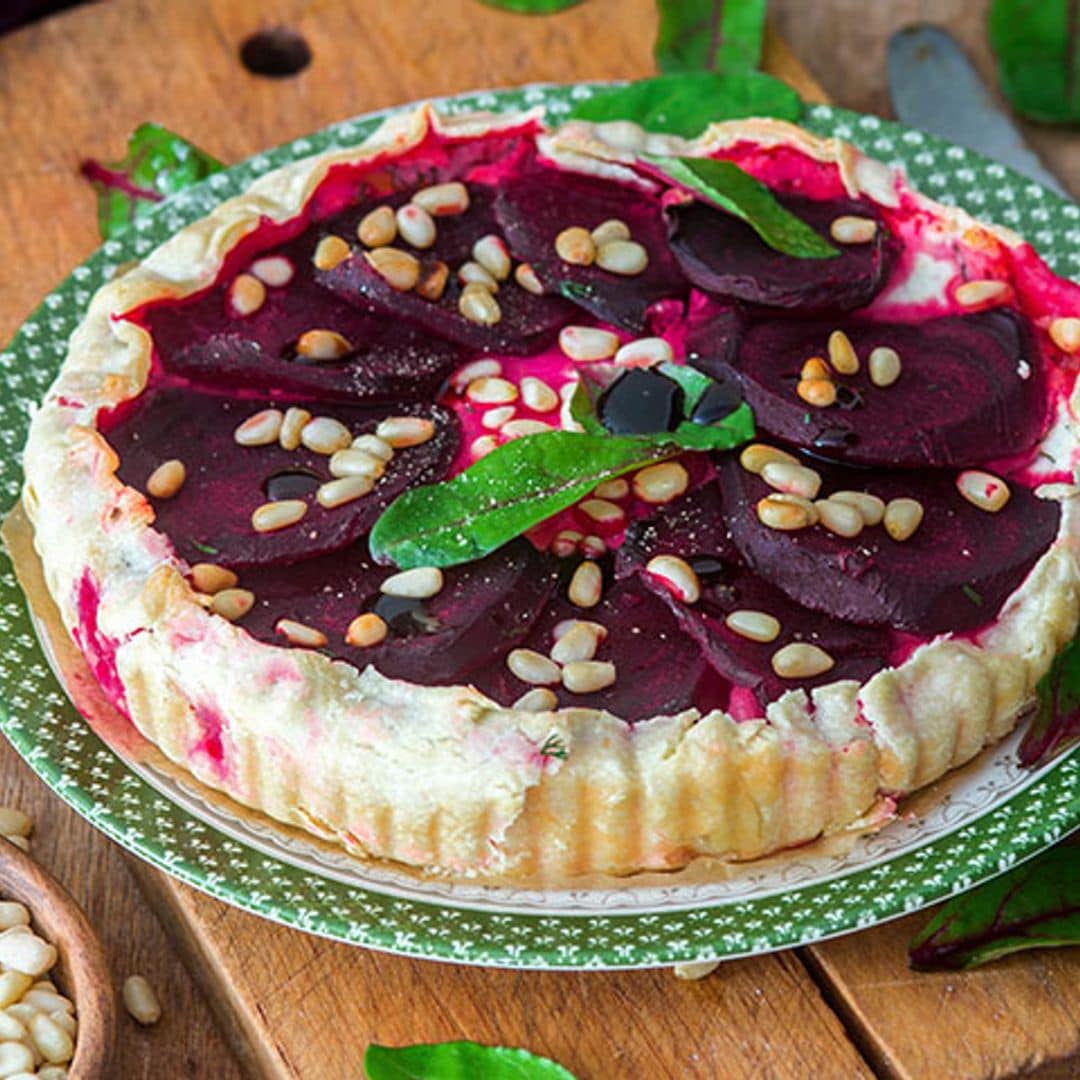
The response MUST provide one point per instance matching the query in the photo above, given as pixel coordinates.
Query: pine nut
(472, 273)
(433, 279)
(801, 660)
(12, 913)
(515, 429)
(902, 518)
(587, 343)
(22, 950)
(20, 842)
(323, 345)
(607, 231)
(786, 512)
(490, 252)
(273, 270)
(399, 432)
(50, 1072)
(15, 1057)
(246, 295)
(298, 633)
(11, 1029)
(47, 1000)
(344, 489)
(592, 547)
(167, 479)
(618, 488)
(261, 429)
(659, 484)
(794, 479)
(325, 435)
(493, 419)
(842, 353)
(420, 583)
(55, 1045)
(884, 366)
(566, 543)
(602, 511)
(815, 368)
(375, 446)
(818, 392)
(415, 226)
(1065, 334)
(756, 456)
(538, 699)
(840, 518)
(292, 426)
(853, 230)
(588, 676)
(377, 228)
(399, 269)
(443, 200)
(14, 822)
(13, 984)
(140, 1000)
(575, 246)
(491, 390)
(977, 293)
(330, 251)
(983, 489)
(209, 578)
(476, 369)
(537, 395)
(272, 516)
(356, 462)
(526, 277)
(695, 969)
(645, 352)
(624, 257)
(870, 507)
(533, 667)
(677, 575)
(478, 306)
(586, 586)
(483, 446)
(579, 642)
(753, 625)
(366, 630)
(564, 627)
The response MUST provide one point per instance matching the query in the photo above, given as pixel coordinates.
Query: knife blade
(935, 87)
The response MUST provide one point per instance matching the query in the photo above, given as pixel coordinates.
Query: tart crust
(441, 777)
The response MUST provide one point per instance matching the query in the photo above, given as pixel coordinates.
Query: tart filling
(720, 652)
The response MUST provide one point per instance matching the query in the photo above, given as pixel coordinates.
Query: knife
(934, 87)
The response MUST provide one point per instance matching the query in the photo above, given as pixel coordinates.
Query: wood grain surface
(298, 1007)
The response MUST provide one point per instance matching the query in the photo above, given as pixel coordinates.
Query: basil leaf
(1056, 725)
(158, 163)
(458, 1061)
(686, 103)
(1034, 906)
(709, 35)
(719, 435)
(584, 405)
(1039, 56)
(533, 7)
(728, 187)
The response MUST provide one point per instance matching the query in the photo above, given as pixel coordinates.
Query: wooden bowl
(81, 972)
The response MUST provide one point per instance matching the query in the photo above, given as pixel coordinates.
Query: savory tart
(639, 632)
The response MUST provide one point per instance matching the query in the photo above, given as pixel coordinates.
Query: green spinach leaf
(709, 35)
(458, 1061)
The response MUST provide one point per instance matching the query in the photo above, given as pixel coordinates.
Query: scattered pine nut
(610, 230)
(820, 393)
(853, 230)
(167, 479)
(618, 488)
(298, 633)
(478, 305)
(483, 446)
(576, 246)
(1065, 334)
(756, 456)
(399, 269)
(353, 461)
(323, 345)
(443, 200)
(330, 251)
(842, 354)
(376, 446)
(260, 429)
(490, 252)
(377, 228)
(661, 483)
(579, 642)
(491, 390)
(801, 660)
(645, 352)
(593, 547)
(325, 435)
(793, 479)
(983, 489)
(292, 427)
(415, 226)
(588, 676)
(399, 432)
(366, 630)
(587, 343)
(869, 506)
(902, 517)
(210, 579)
(753, 625)
(539, 699)
(815, 368)
(515, 429)
(532, 667)
(246, 295)
(433, 279)
(140, 1000)
(537, 395)
(273, 270)
(977, 293)
(786, 512)
(472, 273)
(624, 257)
(344, 489)
(840, 518)
(526, 277)
(566, 543)
(493, 419)
(677, 575)
(586, 585)
(602, 511)
(420, 583)
(695, 969)
(272, 516)
(884, 366)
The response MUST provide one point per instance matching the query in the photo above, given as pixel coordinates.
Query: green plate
(992, 817)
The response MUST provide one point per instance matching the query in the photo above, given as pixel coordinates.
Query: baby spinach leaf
(709, 35)
(158, 163)
(1034, 906)
(1037, 43)
(725, 185)
(686, 102)
(533, 7)
(1056, 725)
(458, 1061)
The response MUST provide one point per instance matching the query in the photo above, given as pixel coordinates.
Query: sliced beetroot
(970, 387)
(483, 610)
(724, 256)
(532, 209)
(954, 573)
(211, 516)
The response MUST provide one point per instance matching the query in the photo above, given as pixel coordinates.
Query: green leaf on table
(726, 186)
(686, 103)
(709, 35)
(158, 164)
(1034, 906)
(458, 1061)
(533, 7)
(1056, 725)
(1037, 43)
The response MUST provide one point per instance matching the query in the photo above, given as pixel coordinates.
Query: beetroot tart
(705, 649)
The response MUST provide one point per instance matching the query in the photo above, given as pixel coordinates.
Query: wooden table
(295, 1006)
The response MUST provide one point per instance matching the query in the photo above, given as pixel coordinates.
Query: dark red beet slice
(484, 609)
(724, 256)
(971, 386)
(954, 573)
(659, 669)
(211, 516)
(534, 208)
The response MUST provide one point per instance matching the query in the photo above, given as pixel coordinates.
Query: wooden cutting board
(299, 1007)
